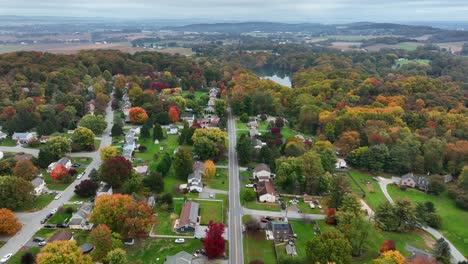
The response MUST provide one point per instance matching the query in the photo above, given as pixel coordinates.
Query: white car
(180, 240)
(78, 202)
(249, 185)
(53, 211)
(319, 206)
(41, 244)
(6, 258)
(58, 196)
(211, 195)
(312, 205)
(80, 175)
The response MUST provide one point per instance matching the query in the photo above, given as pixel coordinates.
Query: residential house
(423, 183)
(340, 164)
(44, 139)
(104, 188)
(3, 135)
(188, 218)
(279, 230)
(173, 130)
(24, 138)
(180, 258)
(189, 117)
(266, 192)
(199, 167)
(151, 201)
(209, 110)
(130, 144)
(208, 122)
(253, 132)
(408, 180)
(257, 144)
(196, 187)
(86, 248)
(142, 170)
(308, 198)
(61, 236)
(252, 123)
(79, 219)
(412, 181)
(39, 186)
(66, 162)
(212, 101)
(213, 93)
(262, 172)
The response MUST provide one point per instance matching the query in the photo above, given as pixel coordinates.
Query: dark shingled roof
(189, 214)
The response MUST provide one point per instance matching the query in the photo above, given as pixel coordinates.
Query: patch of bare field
(454, 46)
(343, 45)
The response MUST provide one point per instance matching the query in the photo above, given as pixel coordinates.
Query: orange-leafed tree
(25, 169)
(388, 245)
(348, 141)
(9, 224)
(101, 237)
(138, 115)
(9, 113)
(59, 172)
(174, 114)
(210, 169)
(391, 256)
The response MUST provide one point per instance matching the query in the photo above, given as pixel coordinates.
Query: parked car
(283, 206)
(312, 205)
(319, 206)
(6, 258)
(80, 175)
(41, 244)
(179, 240)
(49, 226)
(58, 196)
(78, 202)
(62, 226)
(76, 165)
(249, 185)
(38, 239)
(49, 216)
(43, 220)
(211, 195)
(53, 211)
(264, 220)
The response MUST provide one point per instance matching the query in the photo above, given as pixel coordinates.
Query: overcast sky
(326, 11)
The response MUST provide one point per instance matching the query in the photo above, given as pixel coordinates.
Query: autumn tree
(214, 242)
(209, 143)
(82, 138)
(123, 215)
(210, 169)
(388, 245)
(9, 224)
(116, 170)
(117, 256)
(101, 237)
(174, 114)
(183, 163)
(348, 141)
(15, 192)
(8, 113)
(25, 169)
(59, 252)
(58, 146)
(390, 257)
(107, 152)
(329, 247)
(96, 123)
(339, 187)
(59, 172)
(331, 216)
(138, 115)
(86, 188)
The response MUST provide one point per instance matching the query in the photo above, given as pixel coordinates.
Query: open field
(256, 247)
(453, 227)
(373, 199)
(409, 46)
(346, 45)
(220, 181)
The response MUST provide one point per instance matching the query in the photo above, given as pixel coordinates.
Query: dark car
(49, 226)
(38, 239)
(264, 220)
(49, 216)
(61, 225)
(283, 206)
(76, 165)
(43, 220)
(170, 209)
(269, 218)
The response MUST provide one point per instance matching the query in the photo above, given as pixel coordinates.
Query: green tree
(58, 146)
(183, 163)
(244, 118)
(220, 108)
(96, 123)
(288, 172)
(312, 170)
(82, 138)
(329, 247)
(133, 184)
(165, 164)
(101, 237)
(15, 192)
(117, 256)
(155, 182)
(357, 232)
(244, 149)
(247, 195)
(339, 187)
(433, 151)
(145, 131)
(45, 157)
(157, 132)
(442, 250)
(209, 143)
(116, 130)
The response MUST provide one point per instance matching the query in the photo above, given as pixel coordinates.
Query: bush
(403, 187)
(462, 201)
(90, 148)
(69, 210)
(244, 118)
(434, 220)
(142, 148)
(166, 198)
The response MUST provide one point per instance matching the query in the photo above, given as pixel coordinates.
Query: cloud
(269, 10)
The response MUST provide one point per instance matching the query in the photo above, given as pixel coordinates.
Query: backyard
(63, 215)
(257, 247)
(220, 181)
(373, 193)
(155, 250)
(211, 211)
(452, 228)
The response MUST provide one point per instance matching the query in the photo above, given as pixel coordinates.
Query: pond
(285, 80)
(276, 75)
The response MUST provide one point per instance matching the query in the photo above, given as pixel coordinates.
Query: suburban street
(31, 221)
(236, 255)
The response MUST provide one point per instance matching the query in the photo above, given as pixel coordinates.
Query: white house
(340, 164)
(262, 172)
(39, 186)
(173, 130)
(64, 161)
(189, 117)
(104, 188)
(266, 192)
(196, 187)
(23, 138)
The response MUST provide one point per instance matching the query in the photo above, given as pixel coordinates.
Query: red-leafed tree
(387, 246)
(86, 188)
(174, 114)
(9, 113)
(331, 216)
(214, 242)
(59, 172)
(138, 115)
(116, 170)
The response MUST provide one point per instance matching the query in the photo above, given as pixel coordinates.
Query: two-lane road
(236, 255)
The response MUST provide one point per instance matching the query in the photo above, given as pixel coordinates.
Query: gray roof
(261, 167)
(407, 176)
(63, 161)
(180, 258)
(189, 215)
(82, 214)
(37, 182)
(194, 175)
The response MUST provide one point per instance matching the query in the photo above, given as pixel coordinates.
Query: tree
(348, 141)
(9, 224)
(117, 256)
(135, 93)
(82, 138)
(390, 257)
(220, 108)
(331, 246)
(28, 258)
(214, 242)
(138, 115)
(183, 163)
(107, 152)
(157, 132)
(58, 146)
(388, 245)
(312, 170)
(244, 149)
(155, 182)
(357, 231)
(86, 188)
(442, 250)
(351, 204)
(15, 192)
(210, 169)
(116, 170)
(163, 118)
(133, 184)
(400, 217)
(101, 238)
(25, 169)
(123, 215)
(436, 186)
(244, 118)
(116, 130)
(331, 216)
(59, 252)
(59, 173)
(339, 187)
(209, 143)
(247, 195)
(165, 164)
(96, 123)
(174, 114)
(145, 131)
(45, 157)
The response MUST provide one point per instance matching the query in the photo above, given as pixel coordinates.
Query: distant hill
(243, 27)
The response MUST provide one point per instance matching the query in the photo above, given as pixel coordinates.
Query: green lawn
(38, 203)
(305, 208)
(75, 198)
(305, 232)
(210, 211)
(151, 249)
(256, 247)
(263, 206)
(166, 219)
(62, 216)
(409, 46)
(54, 185)
(374, 195)
(45, 233)
(16, 258)
(453, 227)
(7, 142)
(220, 181)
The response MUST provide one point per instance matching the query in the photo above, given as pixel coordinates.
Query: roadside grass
(45, 233)
(222, 162)
(210, 211)
(305, 208)
(453, 227)
(16, 258)
(76, 198)
(373, 199)
(38, 203)
(257, 247)
(7, 142)
(61, 216)
(220, 181)
(155, 250)
(244, 177)
(255, 205)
